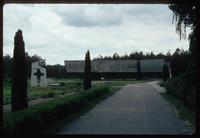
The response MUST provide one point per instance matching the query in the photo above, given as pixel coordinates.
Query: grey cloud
(110, 15)
(87, 15)
(67, 32)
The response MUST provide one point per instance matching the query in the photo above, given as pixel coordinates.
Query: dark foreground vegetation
(181, 89)
(184, 112)
(36, 118)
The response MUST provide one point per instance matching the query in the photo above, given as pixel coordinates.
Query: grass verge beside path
(183, 112)
(36, 118)
(53, 129)
(67, 86)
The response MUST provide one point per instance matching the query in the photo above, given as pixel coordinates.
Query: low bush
(183, 88)
(162, 84)
(35, 118)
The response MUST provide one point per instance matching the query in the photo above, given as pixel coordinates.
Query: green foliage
(183, 88)
(162, 84)
(35, 118)
(165, 72)
(116, 83)
(180, 61)
(184, 112)
(7, 66)
(56, 71)
(45, 92)
(87, 72)
(184, 15)
(19, 80)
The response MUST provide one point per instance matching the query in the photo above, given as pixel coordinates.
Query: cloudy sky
(66, 31)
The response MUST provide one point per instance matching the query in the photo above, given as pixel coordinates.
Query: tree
(19, 79)
(56, 71)
(165, 73)
(87, 71)
(184, 15)
(7, 66)
(138, 70)
(179, 62)
(115, 56)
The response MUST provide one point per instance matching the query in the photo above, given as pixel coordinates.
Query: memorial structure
(116, 68)
(38, 75)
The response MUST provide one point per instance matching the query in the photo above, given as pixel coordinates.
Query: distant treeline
(56, 71)
(179, 62)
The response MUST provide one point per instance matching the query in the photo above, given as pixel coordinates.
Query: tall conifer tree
(19, 79)
(87, 71)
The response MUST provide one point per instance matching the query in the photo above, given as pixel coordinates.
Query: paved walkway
(135, 109)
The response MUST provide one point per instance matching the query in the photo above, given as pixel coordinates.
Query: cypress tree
(87, 71)
(138, 70)
(19, 79)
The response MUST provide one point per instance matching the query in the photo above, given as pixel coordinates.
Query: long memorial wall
(115, 66)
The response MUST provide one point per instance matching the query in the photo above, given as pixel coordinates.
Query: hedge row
(35, 118)
(183, 88)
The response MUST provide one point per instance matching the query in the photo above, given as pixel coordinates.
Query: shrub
(35, 118)
(183, 88)
(165, 73)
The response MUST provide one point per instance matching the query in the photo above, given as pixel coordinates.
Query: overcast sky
(67, 31)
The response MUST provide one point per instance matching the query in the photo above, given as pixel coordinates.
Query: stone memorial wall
(152, 65)
(147, 65)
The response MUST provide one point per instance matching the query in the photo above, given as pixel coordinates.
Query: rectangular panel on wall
(147, 65)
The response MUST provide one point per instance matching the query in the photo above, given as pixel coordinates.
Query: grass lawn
(118, 83)
(67, 86)
(54, 106)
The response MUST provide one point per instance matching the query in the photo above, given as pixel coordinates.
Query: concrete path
(135, 109)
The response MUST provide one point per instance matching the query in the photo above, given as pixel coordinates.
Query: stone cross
(38, 74)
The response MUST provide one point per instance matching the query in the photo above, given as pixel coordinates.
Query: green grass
(117, 82)
(64, 109)
(53, 129)
(184, 112)
(68, 86)
(37, 117)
